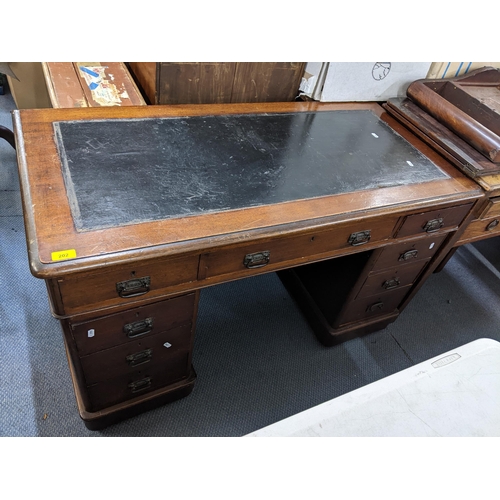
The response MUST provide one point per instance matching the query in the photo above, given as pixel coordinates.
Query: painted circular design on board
(380, 70)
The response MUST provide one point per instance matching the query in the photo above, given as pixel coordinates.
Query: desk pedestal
(133, 360)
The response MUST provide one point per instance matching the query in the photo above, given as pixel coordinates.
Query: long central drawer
(279, 253)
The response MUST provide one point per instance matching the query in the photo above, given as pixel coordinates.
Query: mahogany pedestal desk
(129, 212)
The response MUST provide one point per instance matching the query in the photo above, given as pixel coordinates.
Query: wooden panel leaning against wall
(217, 82)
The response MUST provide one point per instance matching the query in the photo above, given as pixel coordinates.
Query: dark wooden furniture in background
(364, 207)
(468, 106)
(218, 82)
(460, 118)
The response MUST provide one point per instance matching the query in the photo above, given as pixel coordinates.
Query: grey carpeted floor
(257, 360)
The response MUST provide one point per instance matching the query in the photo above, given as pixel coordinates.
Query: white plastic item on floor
(454, 394)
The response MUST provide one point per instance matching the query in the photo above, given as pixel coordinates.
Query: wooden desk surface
(52, 228)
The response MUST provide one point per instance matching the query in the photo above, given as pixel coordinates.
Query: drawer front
(391, 279)
(132, 324)
(135, 357)
(130, 283)
(434, 220)
(492, 209)
(481, 229)
(409, 251)
(370, 307)
(150, 378)
(276, 254)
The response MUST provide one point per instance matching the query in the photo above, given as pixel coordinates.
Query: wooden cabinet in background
(460, 118)
(217, 82)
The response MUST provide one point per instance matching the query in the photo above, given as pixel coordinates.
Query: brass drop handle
(140, 385)
(410, 254)
(256, 260)
(390, 284)
(433, 225)
(378, 306)
(359, 238)
(139, 358)
(138, 328)
(133, 287)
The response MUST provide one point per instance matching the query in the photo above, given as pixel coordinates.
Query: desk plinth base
(97, 420)
(325, 332)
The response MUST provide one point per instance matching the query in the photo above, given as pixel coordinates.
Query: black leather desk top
(120, 172)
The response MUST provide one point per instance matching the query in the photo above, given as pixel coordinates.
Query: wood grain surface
(50, 226)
